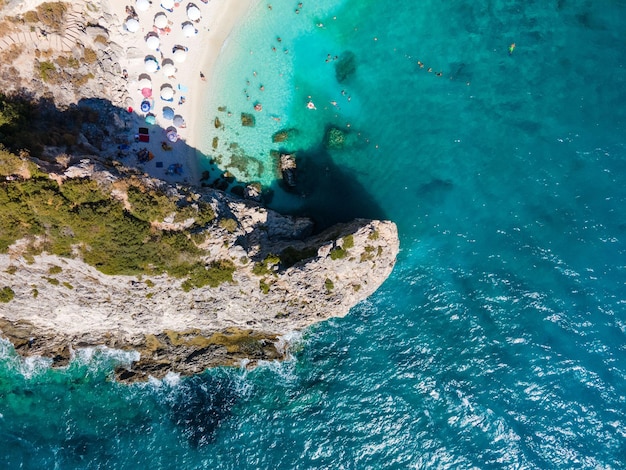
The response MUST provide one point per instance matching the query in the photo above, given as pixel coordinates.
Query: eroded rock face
(284, 280)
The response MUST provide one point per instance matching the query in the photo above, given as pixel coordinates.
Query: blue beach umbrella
(145, 106)
(168, 113)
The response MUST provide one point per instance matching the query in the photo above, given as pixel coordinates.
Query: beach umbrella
(171, 134)
(178, 121)
(167, 92)
(146, 92)
(145, 83)
(167, 4)
(180, 55)
(189, 30)
(168, 113)
(160, 20)
(132, 25)
(153, 42)
(151, 64)
(168, 69)
(150, 119)
(193, 12)
(145, 106)
(142, 5)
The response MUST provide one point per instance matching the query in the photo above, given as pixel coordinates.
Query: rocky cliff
(274, 277)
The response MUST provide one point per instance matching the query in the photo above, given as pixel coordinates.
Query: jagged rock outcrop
(284, 279)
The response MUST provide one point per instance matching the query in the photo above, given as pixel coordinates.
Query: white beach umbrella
(132, 25)
(193, 12)
(167, 4)
(180, 55)
(153, 42)
(145, 83)
(160, 20)
(167, 92)
(142, 5)
(151, 64)
(189, 30)
(168, 69)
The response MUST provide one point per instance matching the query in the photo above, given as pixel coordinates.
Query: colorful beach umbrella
(150, 119)
(145, 83)
(168, 68)
(168, 113)
(160, 20)
(189, 30)
(153, 42)
(180, 55)
(132, 25)
(193, 12)
(146, 92)
(145, 106)
(172, 134)
(142, 5)
(178, 121)
(151, 64)
(167, 92)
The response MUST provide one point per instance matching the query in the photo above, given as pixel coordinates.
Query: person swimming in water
(511, 48)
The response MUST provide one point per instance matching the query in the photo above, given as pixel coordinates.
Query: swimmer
(420, 64)
(310, 105)
(511, 48)
(262, 88)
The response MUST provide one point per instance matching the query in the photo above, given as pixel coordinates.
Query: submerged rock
(284, 134)
(334, 138)
(345, 66)
(247, 120)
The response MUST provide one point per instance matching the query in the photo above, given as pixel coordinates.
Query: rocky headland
(94, 252)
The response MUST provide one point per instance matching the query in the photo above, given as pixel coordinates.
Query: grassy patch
(368, 254)
(338, 253)
(348, 242)
(90, 56)
(54, 270)
(264, 286)
(265, 267)
(52, 280)
(329, 285)
(52, 14)
(212, 275)
(68, 285)
(290, 256)
(11, 270)
(230, 225)
(6, 294)
(47, 71)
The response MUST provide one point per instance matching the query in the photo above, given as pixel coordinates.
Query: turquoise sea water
(499, 340)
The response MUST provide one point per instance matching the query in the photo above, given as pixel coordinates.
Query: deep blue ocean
(499, 341)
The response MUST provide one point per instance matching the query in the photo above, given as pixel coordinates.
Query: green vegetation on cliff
(78, 217)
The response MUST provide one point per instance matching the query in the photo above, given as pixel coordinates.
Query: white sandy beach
(218, 19)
